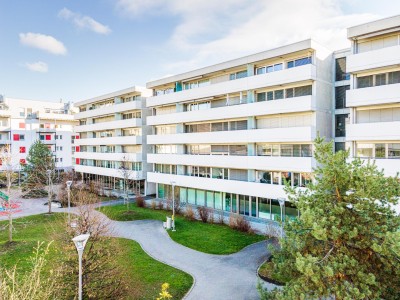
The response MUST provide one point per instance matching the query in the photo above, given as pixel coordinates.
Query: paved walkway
(216, 277)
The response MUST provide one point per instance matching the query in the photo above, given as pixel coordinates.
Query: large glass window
(380, 150)
(200, 197)
(228, 202)
(191, 197)
(183, 195)
(364, 82)
(340, 96)
(394, 150)
(264, 208)
(380, 79)
(365, 150)
(340, 125)
(218, 200)
(341, 69)
(394, 77)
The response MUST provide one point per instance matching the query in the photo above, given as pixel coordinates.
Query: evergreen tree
(39, 160)
(346, 242)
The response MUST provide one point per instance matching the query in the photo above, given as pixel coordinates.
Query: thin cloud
(214, 31)
(38, 66)
(43, 42)
(83, 21)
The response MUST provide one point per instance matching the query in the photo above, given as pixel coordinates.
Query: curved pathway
(216, 277)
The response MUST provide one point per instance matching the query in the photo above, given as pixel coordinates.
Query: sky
(75, 50)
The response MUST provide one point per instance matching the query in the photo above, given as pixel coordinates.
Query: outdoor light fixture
(173, 205)
(80, 243)
(281, 204)
(69, 183)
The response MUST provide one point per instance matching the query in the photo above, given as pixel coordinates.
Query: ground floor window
(263, 208)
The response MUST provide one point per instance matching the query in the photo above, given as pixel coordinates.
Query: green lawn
(204, 237)
(144, 274)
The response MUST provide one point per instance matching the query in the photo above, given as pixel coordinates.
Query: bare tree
(6, 201)
(126, 173)
(99, 277)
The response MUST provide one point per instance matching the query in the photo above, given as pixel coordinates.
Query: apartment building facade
(373, 99)
(25, 121)
(111, 140)
(228, 136)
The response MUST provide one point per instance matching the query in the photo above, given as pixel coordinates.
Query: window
(261, 97)
(22, 125)
(394, 77)
(299, 62)
(341, 69)
(278, 94)
(21, 112)
(380, 79)
(340, 96)
(22, 149)
(269, 69)
(364, 82)
(340, 146)
(22, 137)
(394, 150)
(365, 150)
(380, 151)
(238, 75)
(340, 125)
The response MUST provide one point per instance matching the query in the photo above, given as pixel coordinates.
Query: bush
(239, 223)
(220, 217)
(211, 216)
(204, 213)
(153, 204)
(160, 205)
(189, 213)
(140, 201)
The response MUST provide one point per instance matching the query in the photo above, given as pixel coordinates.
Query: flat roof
(276, 52)
(374, 27)
(133, 89)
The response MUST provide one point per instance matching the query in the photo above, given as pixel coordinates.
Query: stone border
(267, 279)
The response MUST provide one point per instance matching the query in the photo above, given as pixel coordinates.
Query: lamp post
(48, 172)
(80, 243)
(173, 205)
(69, 183)
(281, 204)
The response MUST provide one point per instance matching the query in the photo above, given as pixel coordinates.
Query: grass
(142, 272)
(204, 237)
(267, 270)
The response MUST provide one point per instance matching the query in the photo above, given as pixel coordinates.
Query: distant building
(22, 122)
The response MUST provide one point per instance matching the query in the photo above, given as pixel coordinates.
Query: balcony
(291, 134)
(112, 109)
(277, 163)
(373, 59)
(377, 95)
(298, 74)
(53, 116)
(5, 113)
(46, 130)
(289, 105)
(390, 166)
(5, 142)
(379, 131)
(133, 157)
(49, 142)
(229, 186)
(115, 140)
(109, 125)
(135, 175)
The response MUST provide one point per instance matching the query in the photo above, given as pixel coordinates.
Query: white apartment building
(227, 136)
(112, 135)
(374, 95)
(22, 122)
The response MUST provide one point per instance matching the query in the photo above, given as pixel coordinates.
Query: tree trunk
(10, 226)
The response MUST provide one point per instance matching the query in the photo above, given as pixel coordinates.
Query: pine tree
(39, 160)
(346, 242)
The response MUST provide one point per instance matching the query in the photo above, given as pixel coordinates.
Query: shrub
(140, 201)
(160, 205)
(239, 223)
(204, 213)
(189, 213)
(168, 204)
(211, 216)
(153, 204)
(220, 217)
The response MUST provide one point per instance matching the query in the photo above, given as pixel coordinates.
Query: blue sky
(74, 50)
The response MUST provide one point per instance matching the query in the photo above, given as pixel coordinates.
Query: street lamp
(80, 243)
(281, 204)
(69, 183)
(173, 205)
(48, 172)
